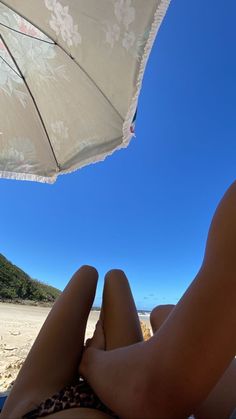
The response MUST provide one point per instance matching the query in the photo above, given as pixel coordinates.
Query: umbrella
(70, 76)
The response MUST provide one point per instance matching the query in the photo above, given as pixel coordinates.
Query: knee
(161, 310)
(115, 275)
(87, 270)
(159, 314)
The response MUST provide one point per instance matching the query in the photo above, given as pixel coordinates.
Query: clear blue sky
(145, 209)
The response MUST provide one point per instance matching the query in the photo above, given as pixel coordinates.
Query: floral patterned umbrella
(70, 77)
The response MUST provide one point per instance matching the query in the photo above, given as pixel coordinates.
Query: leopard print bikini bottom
(76, 394)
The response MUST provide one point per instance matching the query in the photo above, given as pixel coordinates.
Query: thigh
(55, 355)
(221, 401)
(119, 315)
(197, 342)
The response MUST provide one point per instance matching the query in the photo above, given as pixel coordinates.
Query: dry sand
(19, 326)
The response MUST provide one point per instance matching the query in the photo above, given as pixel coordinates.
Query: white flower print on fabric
(128, 40)
(12, 154)
(62, 23)
(32, 55)
(50, 4)
(9, 79)
(17, 151)
(124, 14)
(60, 134)
(112, 34)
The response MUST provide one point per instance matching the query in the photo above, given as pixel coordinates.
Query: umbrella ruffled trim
(27, 176)
(128, 125)
(158, 17)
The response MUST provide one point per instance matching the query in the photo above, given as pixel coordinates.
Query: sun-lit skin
(186, 367)
(173, 373)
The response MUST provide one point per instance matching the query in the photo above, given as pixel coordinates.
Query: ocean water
(145, 316)
(144, 313)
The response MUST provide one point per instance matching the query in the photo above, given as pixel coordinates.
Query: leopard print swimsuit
(77, 394)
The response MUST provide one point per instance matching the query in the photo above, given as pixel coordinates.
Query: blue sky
(145, 209)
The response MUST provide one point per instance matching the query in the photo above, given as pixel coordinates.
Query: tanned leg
(159, 314)
(119, 315)
(54, 357)
(176, 370)
(199, 332)
(222, 399)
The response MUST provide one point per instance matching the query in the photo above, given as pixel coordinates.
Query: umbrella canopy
(70, 77)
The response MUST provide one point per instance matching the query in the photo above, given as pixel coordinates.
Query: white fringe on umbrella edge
(158, 17)
(127, 134)
(27, 176)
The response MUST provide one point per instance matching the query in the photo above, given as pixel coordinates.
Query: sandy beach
(19, 326)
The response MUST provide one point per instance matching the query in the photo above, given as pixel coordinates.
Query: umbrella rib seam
(26, 34)
(32, 97)
(10, 67)
(69, 55)
(90, 78)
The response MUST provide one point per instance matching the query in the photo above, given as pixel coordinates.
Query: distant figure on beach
(187, 367)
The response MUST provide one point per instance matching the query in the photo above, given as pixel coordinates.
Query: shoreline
(34, 303)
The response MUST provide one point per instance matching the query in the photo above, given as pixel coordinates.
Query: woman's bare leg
(159, 314)
(182, 363)
(200, 331)
(54, 357)
(119, 315)
(221, 401)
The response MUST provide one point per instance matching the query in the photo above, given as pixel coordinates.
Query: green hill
(17, 286)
